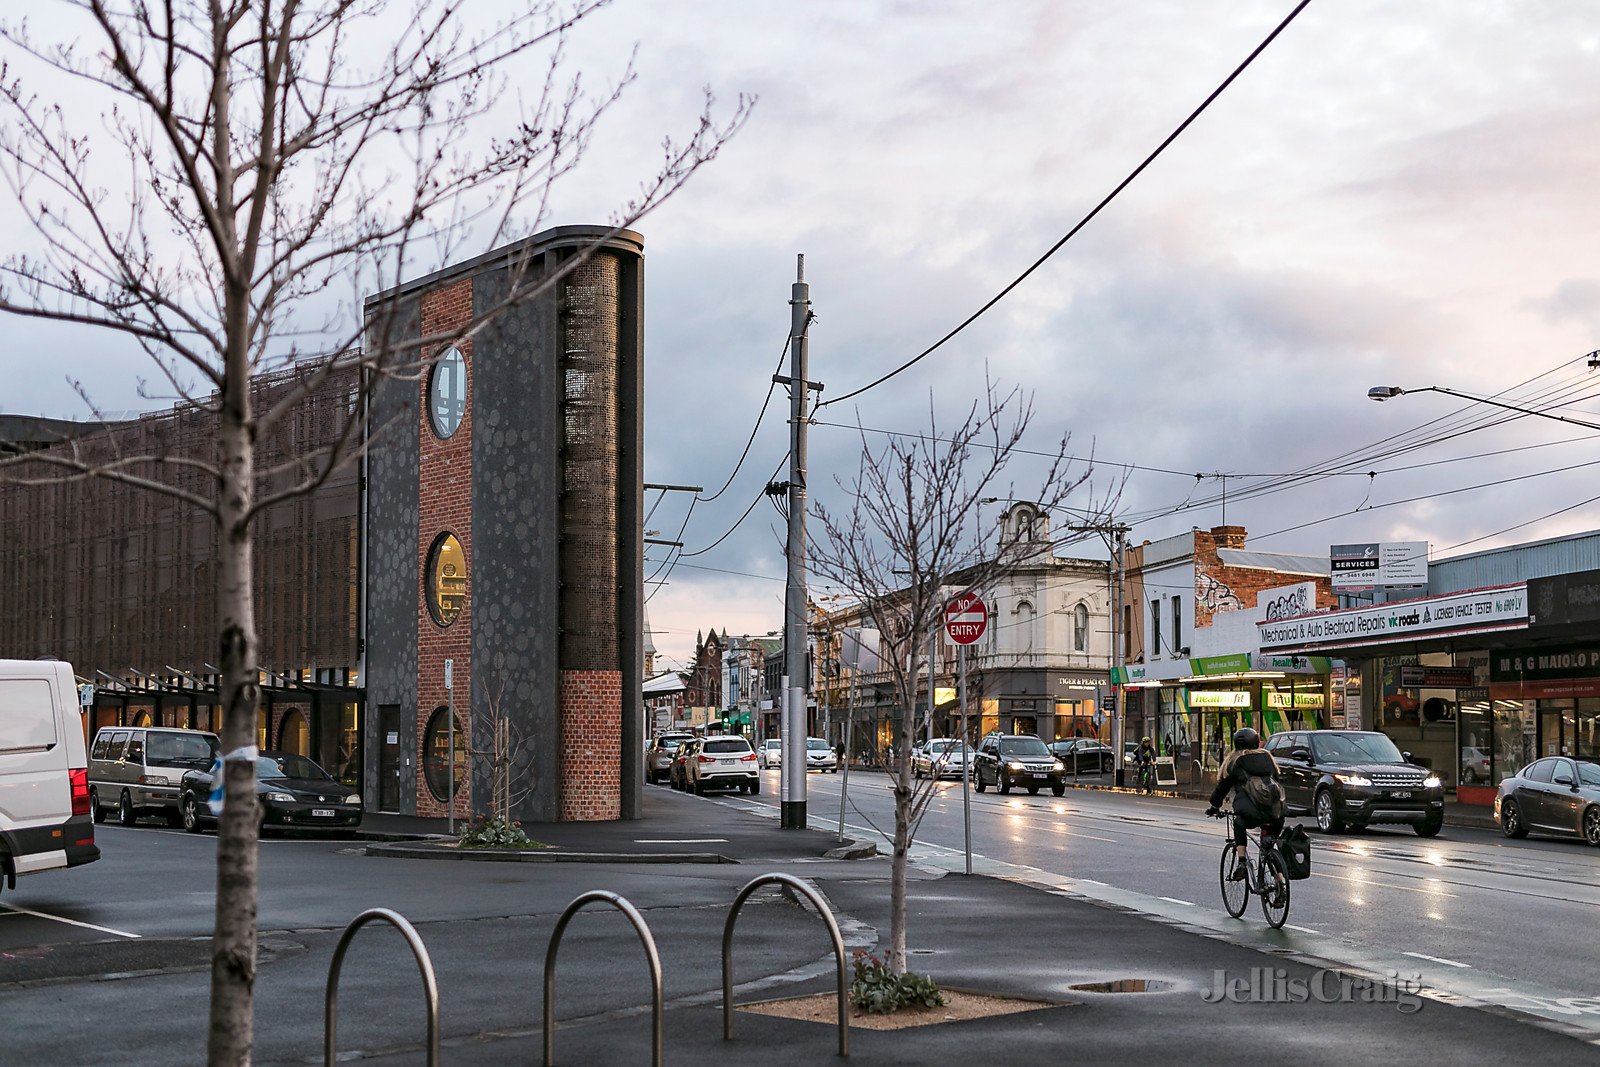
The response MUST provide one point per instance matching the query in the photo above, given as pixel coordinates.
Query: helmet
(1146, 741)
(1247, 738)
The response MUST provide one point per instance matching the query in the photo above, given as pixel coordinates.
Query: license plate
(1401, 794)
(726, 762)
(323, 813)
(1041, 776)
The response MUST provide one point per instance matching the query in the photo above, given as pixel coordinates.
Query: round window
(446, 579)
(447, 392)
(436, 754)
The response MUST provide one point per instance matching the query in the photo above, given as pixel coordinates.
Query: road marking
(680, 840)
(1302, 929)
(69, 922)
(1175, 900)
(1439, 959)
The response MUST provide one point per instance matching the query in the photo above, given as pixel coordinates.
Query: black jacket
(1238, 768)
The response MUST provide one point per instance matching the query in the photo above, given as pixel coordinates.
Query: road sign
(966, 617)
(449, 674)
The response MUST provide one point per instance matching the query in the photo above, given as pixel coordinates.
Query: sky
(1392, 194)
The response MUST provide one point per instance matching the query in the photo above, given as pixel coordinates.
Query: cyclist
(1251, 774)
(1145, 761)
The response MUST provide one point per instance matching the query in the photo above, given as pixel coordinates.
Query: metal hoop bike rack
(833, 932)
(430, 987)
(602, 896)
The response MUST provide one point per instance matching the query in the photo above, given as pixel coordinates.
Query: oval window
(436, 755)
(446, 579)
(447, 392)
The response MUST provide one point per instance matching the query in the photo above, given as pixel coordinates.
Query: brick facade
(1244, 583)
(591, 745)
(445, 506)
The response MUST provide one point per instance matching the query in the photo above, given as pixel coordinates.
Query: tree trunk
(896, 960)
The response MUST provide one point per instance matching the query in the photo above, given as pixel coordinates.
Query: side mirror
(1406, 756)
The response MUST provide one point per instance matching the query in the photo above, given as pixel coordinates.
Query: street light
(1381, 393)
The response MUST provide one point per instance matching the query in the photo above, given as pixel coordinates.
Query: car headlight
(1353, 779)
(1060, 766)
(1011, 766)
(1431, 782)
(353, 798)
(280, 798)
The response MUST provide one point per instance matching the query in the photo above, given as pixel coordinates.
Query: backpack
(1295, 848)
(1266, 794)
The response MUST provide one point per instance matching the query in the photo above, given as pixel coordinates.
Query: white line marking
(1439, 959)
(1302, 929)
(1175, 900)
(69, 922)
(680, 840)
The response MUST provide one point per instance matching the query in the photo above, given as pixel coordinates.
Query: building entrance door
(389, 757)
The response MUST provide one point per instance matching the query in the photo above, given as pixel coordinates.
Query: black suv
(1352, 778)
(1020, 760)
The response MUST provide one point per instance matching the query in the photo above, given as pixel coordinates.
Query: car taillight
(79, 776)
(707, 759)
(750, 757)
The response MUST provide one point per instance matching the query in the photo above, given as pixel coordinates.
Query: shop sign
(1237, 663)
(1336, 720)
(1503, 607)
(1425, 677)
(1294, 700)
(1579, 661)
(1215, 698)
(1372, 563)
(1290, 664)
(1562, 599)
(1336, 688)
(1066, 682)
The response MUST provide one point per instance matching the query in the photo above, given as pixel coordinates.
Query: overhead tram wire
(1151, 158)
(772, 385)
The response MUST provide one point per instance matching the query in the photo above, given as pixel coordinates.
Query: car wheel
(191, 814)
(1430, 828)
(755, 787)
(125, 815)
(699, 787)
(978, 782)
(1059, 790)
(1002, 784)
(1591, 826)
(95, 809)
(1511, 819)
(1328, 820)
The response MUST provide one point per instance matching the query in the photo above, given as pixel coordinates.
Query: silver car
(138, 770)
(820, 756)
(658, 760)
(939, 758)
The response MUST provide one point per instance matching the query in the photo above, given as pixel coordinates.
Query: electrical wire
(1151, 158)
(740, 521)
(772, 384)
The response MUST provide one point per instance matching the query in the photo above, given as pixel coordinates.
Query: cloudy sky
(1397, 194)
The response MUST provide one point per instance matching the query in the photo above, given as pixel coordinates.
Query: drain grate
(1120, 985)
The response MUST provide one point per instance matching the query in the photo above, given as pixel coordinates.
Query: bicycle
(1267, 877)
(1146, 781)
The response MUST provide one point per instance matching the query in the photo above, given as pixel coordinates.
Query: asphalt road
(1469, 899)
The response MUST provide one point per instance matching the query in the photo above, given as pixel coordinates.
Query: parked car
(1007, 760)
(291, 791)
(44, 771)
(1355, 778)
(820, 755)
(1554, 795)
(1474, 765)
(771, 754)
(138, 770)
(677, 774)
(1085, 754)
(658, 764)
(940, 757)
(722, 762)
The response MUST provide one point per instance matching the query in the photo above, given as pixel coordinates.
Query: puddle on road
(1120, 985)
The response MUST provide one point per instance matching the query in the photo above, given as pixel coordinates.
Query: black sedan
(1085, 754)
(1554, 795)
(292, 790)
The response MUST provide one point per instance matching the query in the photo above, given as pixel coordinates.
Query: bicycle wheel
(1235, 891)
(1274, 889)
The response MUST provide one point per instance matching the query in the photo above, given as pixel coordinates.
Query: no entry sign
(966, 616)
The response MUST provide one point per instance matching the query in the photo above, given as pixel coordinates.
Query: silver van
(44, 789)
(138, 770)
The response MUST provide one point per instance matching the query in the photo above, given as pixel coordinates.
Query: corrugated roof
(671, 682)
(1273, 561)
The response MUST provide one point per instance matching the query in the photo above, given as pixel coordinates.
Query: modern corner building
(494, 527)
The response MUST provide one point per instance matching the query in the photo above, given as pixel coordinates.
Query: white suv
(771, 753)
(819, 755)
(723, 763)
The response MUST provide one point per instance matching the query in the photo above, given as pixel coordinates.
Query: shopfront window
(436, 758)
(1587, 732)
(1475, 726)
(1513, 738)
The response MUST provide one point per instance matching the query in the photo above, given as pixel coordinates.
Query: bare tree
(911, 529)
(207, 176)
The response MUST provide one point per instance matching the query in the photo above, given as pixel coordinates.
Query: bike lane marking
(18, 909)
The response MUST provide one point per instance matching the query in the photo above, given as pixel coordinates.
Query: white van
(44, 771)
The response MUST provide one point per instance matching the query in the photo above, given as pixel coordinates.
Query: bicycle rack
(602, 896)
(833, 932)
(430, 987)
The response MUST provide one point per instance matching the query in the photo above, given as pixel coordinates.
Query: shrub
(879, 990)
(484, 832)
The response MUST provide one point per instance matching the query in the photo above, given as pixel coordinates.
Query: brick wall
(1245, 583)
(591, 745)
(445, 505)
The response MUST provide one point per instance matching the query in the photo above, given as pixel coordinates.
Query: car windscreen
(1345, 749)
(949, 748)
(730, 744)
(168, 750)
(1024, 746)
(287, 767)
(816, 744)
(670, 743)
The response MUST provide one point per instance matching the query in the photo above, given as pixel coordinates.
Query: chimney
(1228, 536)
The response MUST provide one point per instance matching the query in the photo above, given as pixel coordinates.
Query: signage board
(966, 617)
(1295, 700)
(1214, 698)
(1416, 676)
(1500, 608)
(1374, 563)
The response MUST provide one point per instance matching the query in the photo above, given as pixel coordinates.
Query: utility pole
(1118, 655)
(793, 808)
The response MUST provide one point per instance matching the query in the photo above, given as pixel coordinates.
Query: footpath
(1099, 982)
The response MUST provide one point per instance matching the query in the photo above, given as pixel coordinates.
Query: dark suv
(1017, 759)
(1353, 778)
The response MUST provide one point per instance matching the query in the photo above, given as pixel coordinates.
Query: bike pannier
(1295, 848)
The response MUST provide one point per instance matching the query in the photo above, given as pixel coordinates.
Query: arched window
(294, 735)
(436, 754)
(1080, 628)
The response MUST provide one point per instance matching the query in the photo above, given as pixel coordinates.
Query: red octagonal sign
(966, 616)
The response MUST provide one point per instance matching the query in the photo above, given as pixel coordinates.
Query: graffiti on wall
(1213, 596)
(1288, 602)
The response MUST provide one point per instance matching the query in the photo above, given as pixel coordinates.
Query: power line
(1151, 158)
(772, 384)
(740, 521)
